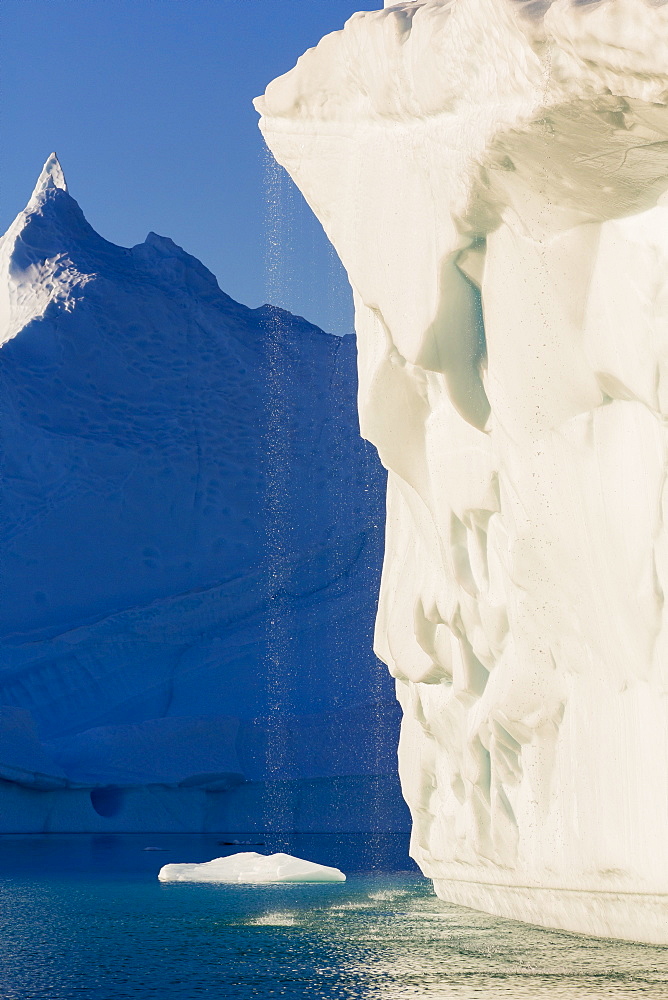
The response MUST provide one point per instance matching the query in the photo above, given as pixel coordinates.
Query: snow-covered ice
(494, 177)
(253, 868)
(191, 527)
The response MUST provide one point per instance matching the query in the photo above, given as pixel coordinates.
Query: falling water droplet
(278, 544)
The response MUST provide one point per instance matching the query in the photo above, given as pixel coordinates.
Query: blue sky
(148, 105)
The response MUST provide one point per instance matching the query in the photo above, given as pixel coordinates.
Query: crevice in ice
(474, 675)
(455, 344)
(433, 636)
(459, 550)
(480, 771)
(397, 411)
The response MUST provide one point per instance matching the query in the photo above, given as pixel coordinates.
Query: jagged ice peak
(52, 176)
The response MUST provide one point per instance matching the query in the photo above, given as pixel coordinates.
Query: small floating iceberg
(251, 868)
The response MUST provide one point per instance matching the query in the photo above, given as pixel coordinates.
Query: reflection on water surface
(86, 917)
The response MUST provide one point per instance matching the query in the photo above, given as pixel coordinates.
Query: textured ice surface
(191, 536)
(493, 175)
(253, 868)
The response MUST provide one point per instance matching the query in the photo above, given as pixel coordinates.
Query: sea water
(85, 916)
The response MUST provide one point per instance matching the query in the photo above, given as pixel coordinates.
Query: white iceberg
(250, 867)
(494, 177)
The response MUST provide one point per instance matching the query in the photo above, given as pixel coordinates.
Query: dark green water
(86, 917)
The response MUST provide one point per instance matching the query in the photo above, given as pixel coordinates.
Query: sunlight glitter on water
(87, 917)
(274, 920)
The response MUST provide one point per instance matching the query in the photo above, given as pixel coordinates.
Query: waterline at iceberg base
(102, 925)
(494, 177)
(337, 804)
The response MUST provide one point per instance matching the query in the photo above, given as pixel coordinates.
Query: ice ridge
(158, 561)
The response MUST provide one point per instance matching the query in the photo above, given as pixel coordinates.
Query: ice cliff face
(493, 175)
(191, 535)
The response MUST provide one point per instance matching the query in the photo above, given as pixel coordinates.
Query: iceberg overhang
(493, 175)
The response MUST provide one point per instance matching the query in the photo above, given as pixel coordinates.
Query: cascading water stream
(277, 453)
(296, 686)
